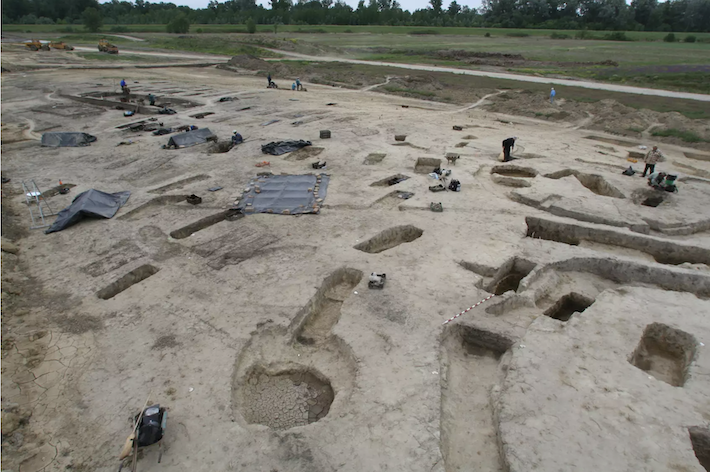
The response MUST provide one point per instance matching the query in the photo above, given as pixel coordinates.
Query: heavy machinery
(37, 45)
(61, 45)
(105, 46)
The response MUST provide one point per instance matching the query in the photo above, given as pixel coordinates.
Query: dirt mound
(247, 61)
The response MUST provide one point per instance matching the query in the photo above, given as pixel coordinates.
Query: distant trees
(179, 25)
(251, 26)
(92, 19)
(614, 15)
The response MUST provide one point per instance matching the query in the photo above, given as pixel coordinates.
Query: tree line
(615, 15)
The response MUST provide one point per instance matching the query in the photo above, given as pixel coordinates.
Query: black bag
(455, 185)
(150, 431)
(629, 171)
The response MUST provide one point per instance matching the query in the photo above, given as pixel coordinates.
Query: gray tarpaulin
(71, 139)
(190, 138)
(285, 194)
(282, 147)
(89, 204)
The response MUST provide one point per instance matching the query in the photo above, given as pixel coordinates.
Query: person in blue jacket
(552, 95)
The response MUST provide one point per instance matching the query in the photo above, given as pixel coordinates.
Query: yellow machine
(61, 45)
(105, 46)
(37, 45)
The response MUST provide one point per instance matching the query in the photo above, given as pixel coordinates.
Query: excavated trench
(316, 321)
(508, 170)
(390, 238)
(663, 251)
(285, 399)
(595, 183)
(219, 147)
(127, 281)
(509, 275)
(158, 201)
(426, 165)
(389, 181)
(665, 353)
(568, 305)
(179, 184)
(199, 225)
(700, 438)
(470, 360)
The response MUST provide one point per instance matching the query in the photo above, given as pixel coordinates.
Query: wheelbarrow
(149, 430)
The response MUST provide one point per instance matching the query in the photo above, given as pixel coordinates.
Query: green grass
(100, 56)
(420, 93)
(375, 29)
(687, 136)
(209, 45)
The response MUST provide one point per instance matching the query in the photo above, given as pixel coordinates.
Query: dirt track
(478, 73)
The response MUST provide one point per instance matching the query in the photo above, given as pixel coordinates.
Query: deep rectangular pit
(206, 222)
(568, 305)
(426, 165)
(666, 353)
(509, 275)
(127, 281)
(663, 251)
(389, 181)
(700, 438)
(390, 238)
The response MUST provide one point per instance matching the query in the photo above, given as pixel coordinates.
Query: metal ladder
(33, 196)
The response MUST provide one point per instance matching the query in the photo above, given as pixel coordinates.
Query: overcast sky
(410, 5)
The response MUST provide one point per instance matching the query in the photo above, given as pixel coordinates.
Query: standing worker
(268, 85)
(298, 84)
(123, 85)
(652, 157)
(552, 96)
(508, 144)
(151, 99)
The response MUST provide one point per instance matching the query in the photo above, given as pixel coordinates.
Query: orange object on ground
(264, 163)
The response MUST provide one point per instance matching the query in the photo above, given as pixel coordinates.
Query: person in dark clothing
(268, 85)
(508, 144)
(151, 99)
(236, 138)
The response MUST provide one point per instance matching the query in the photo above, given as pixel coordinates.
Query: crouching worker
(236, 138)
(663, 181)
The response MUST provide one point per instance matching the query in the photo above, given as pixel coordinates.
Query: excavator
(37, 45)
(105, 46)
(61, 45)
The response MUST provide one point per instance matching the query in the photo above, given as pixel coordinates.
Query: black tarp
(282, 147)
(190, 138)
(89, 204)
(70, 139)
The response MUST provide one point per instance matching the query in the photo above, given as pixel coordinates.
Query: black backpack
(455, 185)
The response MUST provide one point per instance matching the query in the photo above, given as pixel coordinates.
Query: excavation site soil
(289, 310)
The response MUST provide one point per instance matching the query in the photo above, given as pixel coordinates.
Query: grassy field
(455, 87)
(323, 29)
(100, 56)
(647, 61)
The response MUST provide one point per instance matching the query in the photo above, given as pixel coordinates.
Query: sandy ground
(261, 336)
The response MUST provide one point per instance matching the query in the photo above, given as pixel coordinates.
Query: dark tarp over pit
(72, 139)
(89, 204)
(190, 138)
(282, 147)
(285, 194)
